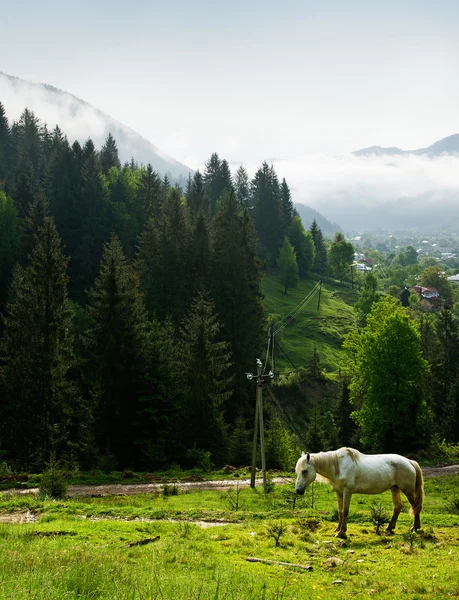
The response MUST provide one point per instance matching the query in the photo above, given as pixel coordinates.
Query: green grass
(324, 329)
(79, 548)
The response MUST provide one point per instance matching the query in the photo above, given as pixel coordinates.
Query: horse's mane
(330, 461)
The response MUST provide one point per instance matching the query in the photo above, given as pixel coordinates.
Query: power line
(286, 356)
(300, 307)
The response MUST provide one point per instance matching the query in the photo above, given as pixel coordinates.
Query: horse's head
(305, 473)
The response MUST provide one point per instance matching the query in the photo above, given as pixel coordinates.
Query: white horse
(350, 472)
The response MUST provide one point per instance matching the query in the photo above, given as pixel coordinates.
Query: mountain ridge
(59, 107)
(447, 145)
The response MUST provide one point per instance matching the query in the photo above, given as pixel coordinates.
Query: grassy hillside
(324, 328)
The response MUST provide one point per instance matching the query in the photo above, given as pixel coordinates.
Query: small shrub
(170, 489)
(5, 469)
(128, 474)
(200, 458)
(289, 498)
(185, 529)
(233, 498)
(275, 531)
(379, 516)
(270, 485)
(53, 483)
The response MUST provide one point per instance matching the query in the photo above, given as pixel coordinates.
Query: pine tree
(29, 144)
(5, 144)
(303, 245)
(286, 206)
(25, 188)
(200, 256)
(116, 344)
(242, 187)
(204, 372)
(61, 187)
(93, 225)
(265, 196)
(163, 260)
(42, 402)
(148, 266)
(197, 197)
(108, 155)
(320, 264)
(212, 181)
(149, 195)
(37, 212)
(236, 289)
(158, 435)
(288, 268)
(9, 244)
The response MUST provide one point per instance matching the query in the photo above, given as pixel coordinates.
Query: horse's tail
(418, 490)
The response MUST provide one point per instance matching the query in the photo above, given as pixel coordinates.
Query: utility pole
(259, 425)
(318, 300)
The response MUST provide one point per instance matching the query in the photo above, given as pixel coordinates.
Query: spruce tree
(265, 196)
(236, 289)
(35, 217)
(5, 144)
(303, 245)
(197, 197)
(204, 372)
(320, 264)
(286, 206)
(212, 181)
(158, 435)
(148, 195)
(108, 155)
(172, 259)
(92, 224)
(200, 255)
(242, 187)
(116, 343)
(148, 265)
(42, 403)
(9, 244)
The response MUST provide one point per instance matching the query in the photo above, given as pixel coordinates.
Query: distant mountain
(308, 215)
(447, 145)
(79, 120)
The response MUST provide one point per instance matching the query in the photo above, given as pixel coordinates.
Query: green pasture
(324, 328)
(82, 547)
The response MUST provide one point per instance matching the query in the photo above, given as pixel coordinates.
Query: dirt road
(131, 489)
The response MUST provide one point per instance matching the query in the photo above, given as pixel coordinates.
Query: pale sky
(252, 79)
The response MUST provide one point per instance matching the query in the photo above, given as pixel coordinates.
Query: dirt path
(131, 489)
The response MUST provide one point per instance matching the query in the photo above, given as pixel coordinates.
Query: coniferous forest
(132, 306)
(131, 311)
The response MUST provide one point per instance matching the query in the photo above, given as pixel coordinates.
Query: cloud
(373, 191)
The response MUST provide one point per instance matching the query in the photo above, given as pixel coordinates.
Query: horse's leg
(397, 502)
(417, 519)
(346, 502)
(339, 497)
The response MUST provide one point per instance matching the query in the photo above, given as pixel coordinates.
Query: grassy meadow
(324, 329)
(86, 547)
